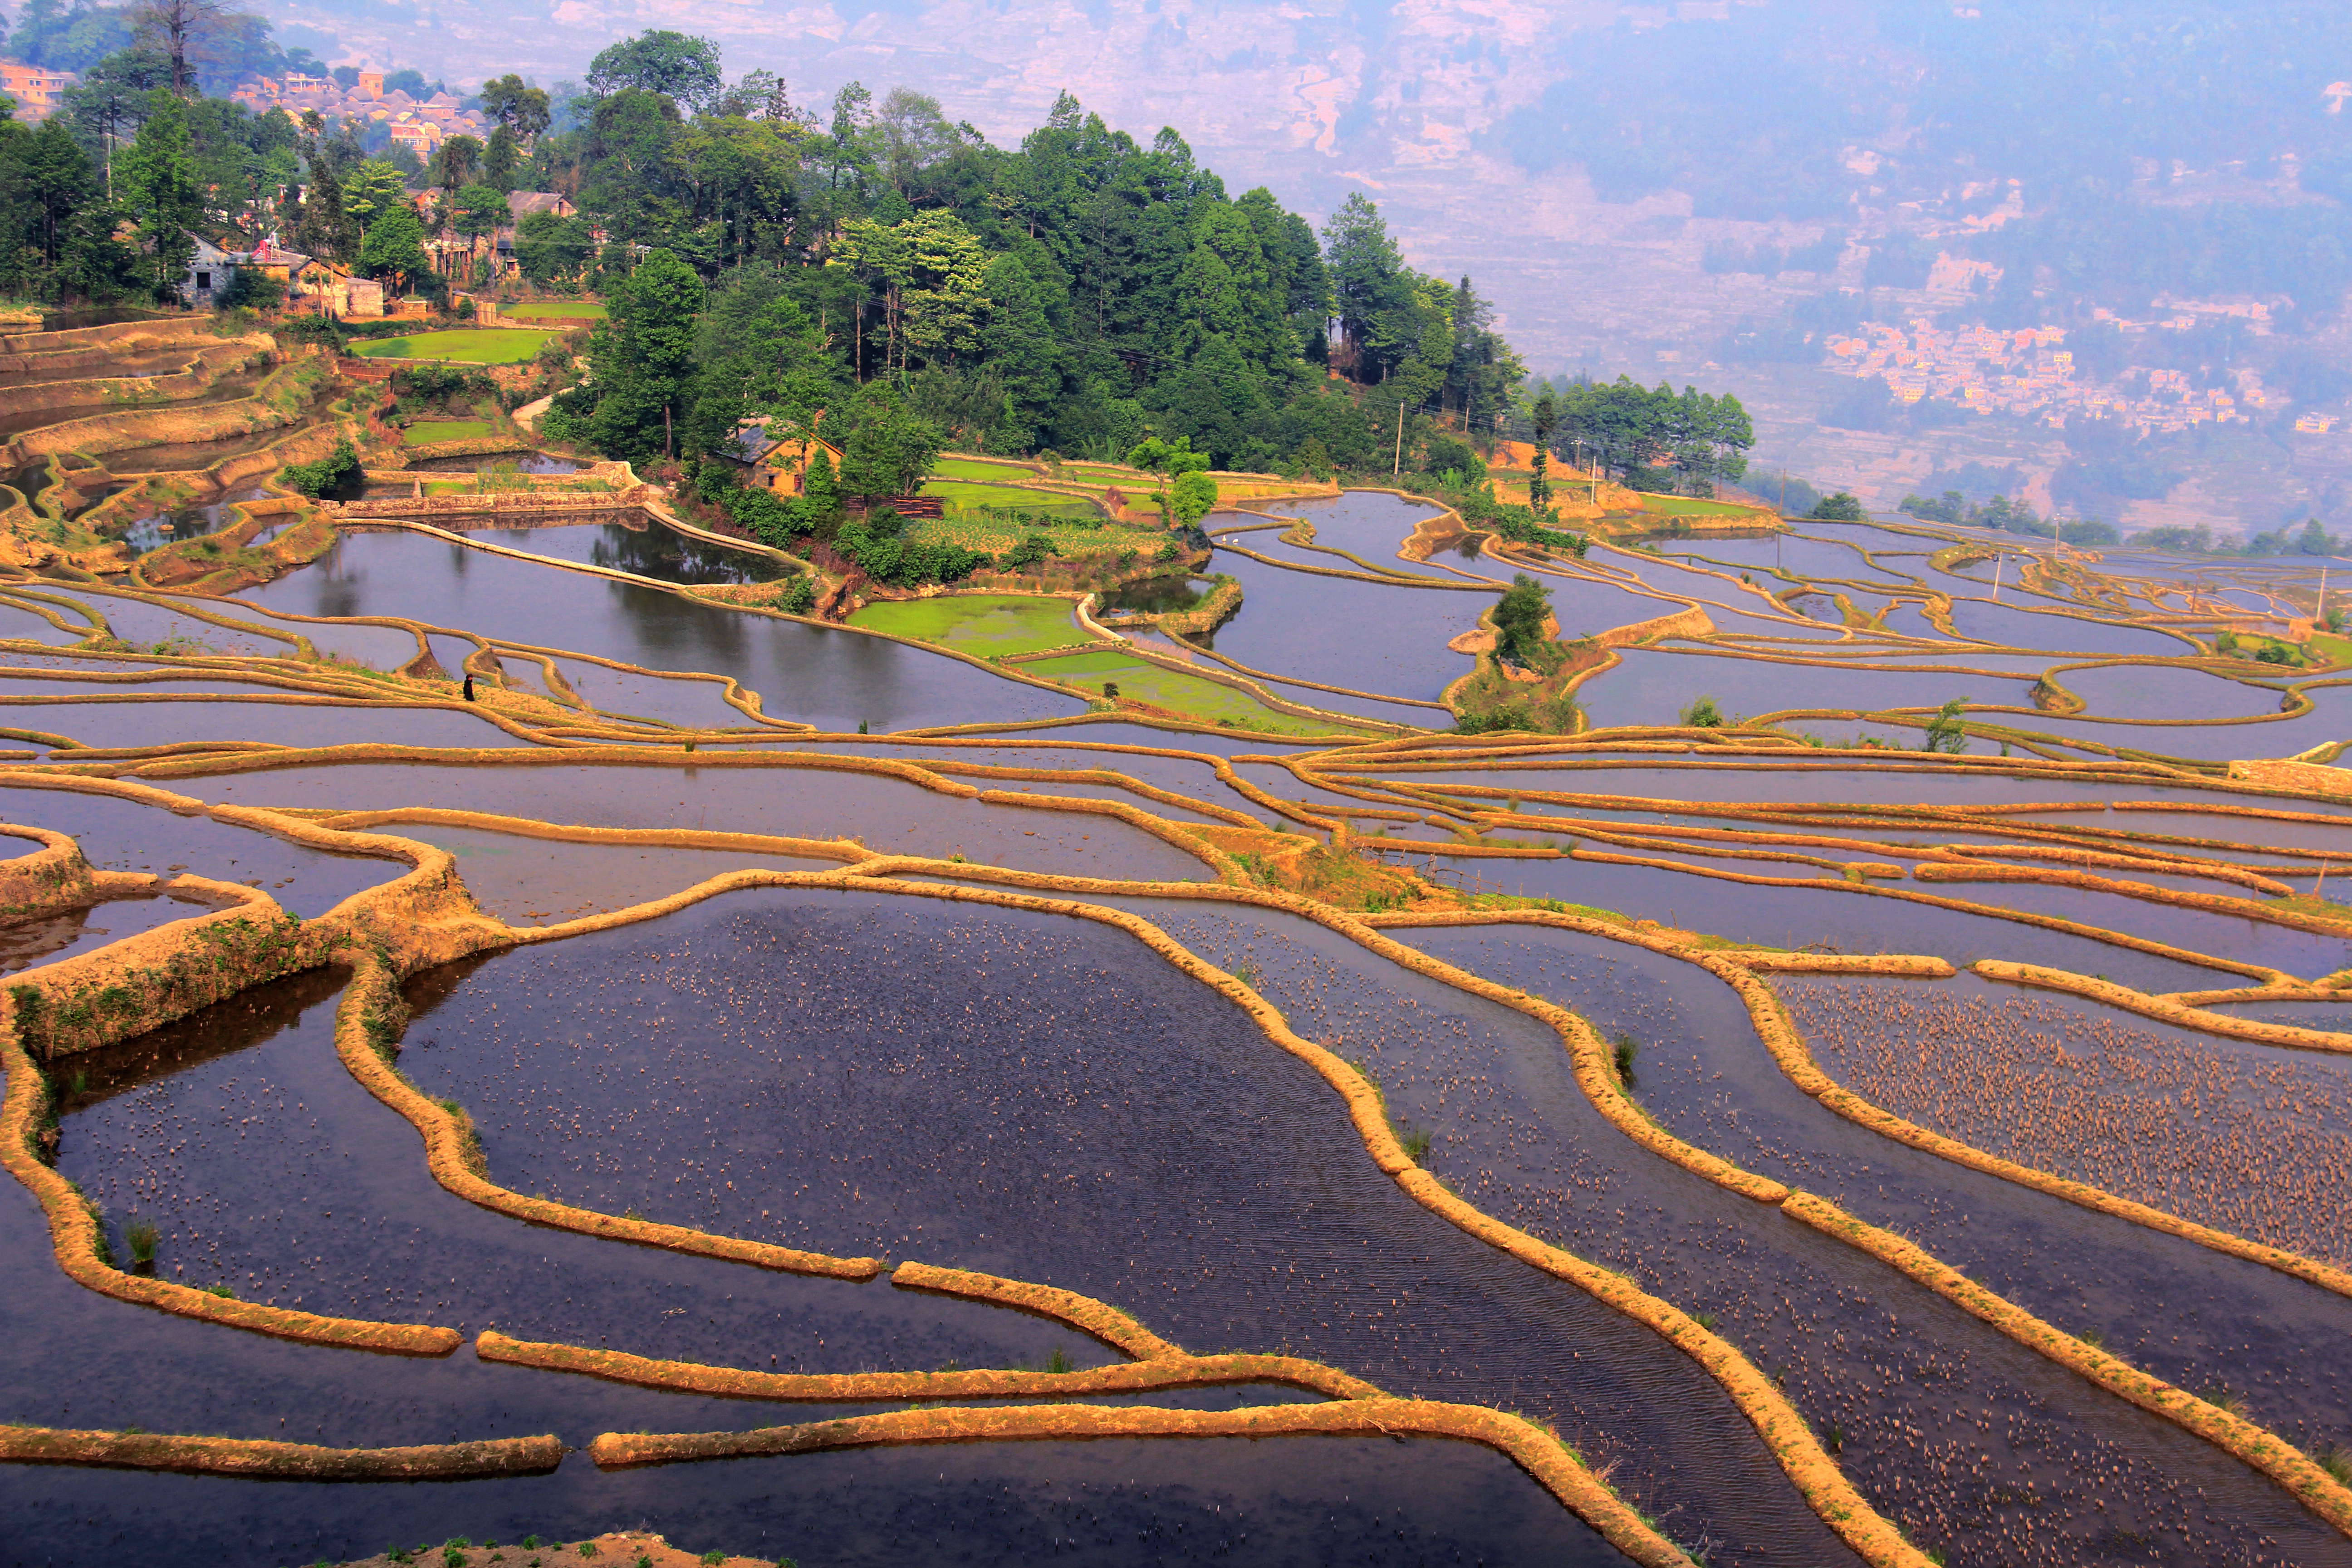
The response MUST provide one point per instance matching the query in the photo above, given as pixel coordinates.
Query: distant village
(419, 124)
(2031, 374)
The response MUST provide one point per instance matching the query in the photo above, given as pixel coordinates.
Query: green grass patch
(2331, 647)
(976, 530)
(1689, 506)
(973, 494)
(426, 431)
(469, 345)
(983, 625)
(558, 309)
(1205, 700)
(978, 469)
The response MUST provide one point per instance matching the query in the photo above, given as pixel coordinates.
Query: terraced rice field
(492, 999)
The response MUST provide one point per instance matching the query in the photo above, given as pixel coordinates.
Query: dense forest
(879, 268)
(1075, 293)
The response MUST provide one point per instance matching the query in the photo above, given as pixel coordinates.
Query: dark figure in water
(469, 688)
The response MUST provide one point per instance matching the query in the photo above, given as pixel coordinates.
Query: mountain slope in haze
(1719, 188)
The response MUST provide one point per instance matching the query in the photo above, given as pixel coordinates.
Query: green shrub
(1499, 718)
(338, 473)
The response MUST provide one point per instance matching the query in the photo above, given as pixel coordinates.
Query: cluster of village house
(2030, 373)
(420, 125)
(312, 282)
(38, 89)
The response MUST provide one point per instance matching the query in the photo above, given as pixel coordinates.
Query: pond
(1156, 597)
(644, 547)
(834, 679)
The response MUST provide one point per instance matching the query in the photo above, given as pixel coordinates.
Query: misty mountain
(1787, 197)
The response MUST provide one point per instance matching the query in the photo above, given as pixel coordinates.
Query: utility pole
(1997, 559)
(1396, 468)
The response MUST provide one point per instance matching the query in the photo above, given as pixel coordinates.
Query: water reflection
(830, 678)
(1156, 597)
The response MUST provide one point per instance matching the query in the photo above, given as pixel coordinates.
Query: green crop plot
(558, 309)
(1689, 506)
(426, 431)
(1068, 531)
(971, 494)
(976, 468)
(469, 345)
(982, 625)
(1206, 700)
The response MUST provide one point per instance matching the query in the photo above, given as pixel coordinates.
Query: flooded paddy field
(1509, 1129)
(128, 721)
(1654, 687)
(1060, 1129)
(1467, 1077)
(72, 932)
(889, 814)
(836, 679)
(646, 549)
(1372, 637)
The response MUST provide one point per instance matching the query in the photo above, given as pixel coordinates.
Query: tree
(479, 211)
(456, 163)
(47, 175)
(1366, 275)
(394, 248)
(1839, 508)
(501, 158)
(158, 179)
(179, 29)
(1547, 420)
(1192, 497)
(1946, 732)
(371, 190)
(552, 250)
(1022, 342)
(761, 95)
(643, 361)
(56, 229)
(817, 509)
(475, 213)
(1175, 460)
(1443, 455)
(1520, 617)
(113, 95)
(672, 64)
(932, 275)
(631, 172)
(947, 283)
(888, 449)
(1703, 714)
(338, 472)
(519, 110)
(324, 226)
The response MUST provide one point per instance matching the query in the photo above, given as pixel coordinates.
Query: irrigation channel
(862, 1092)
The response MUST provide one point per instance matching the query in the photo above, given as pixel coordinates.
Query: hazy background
(1714, 192)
